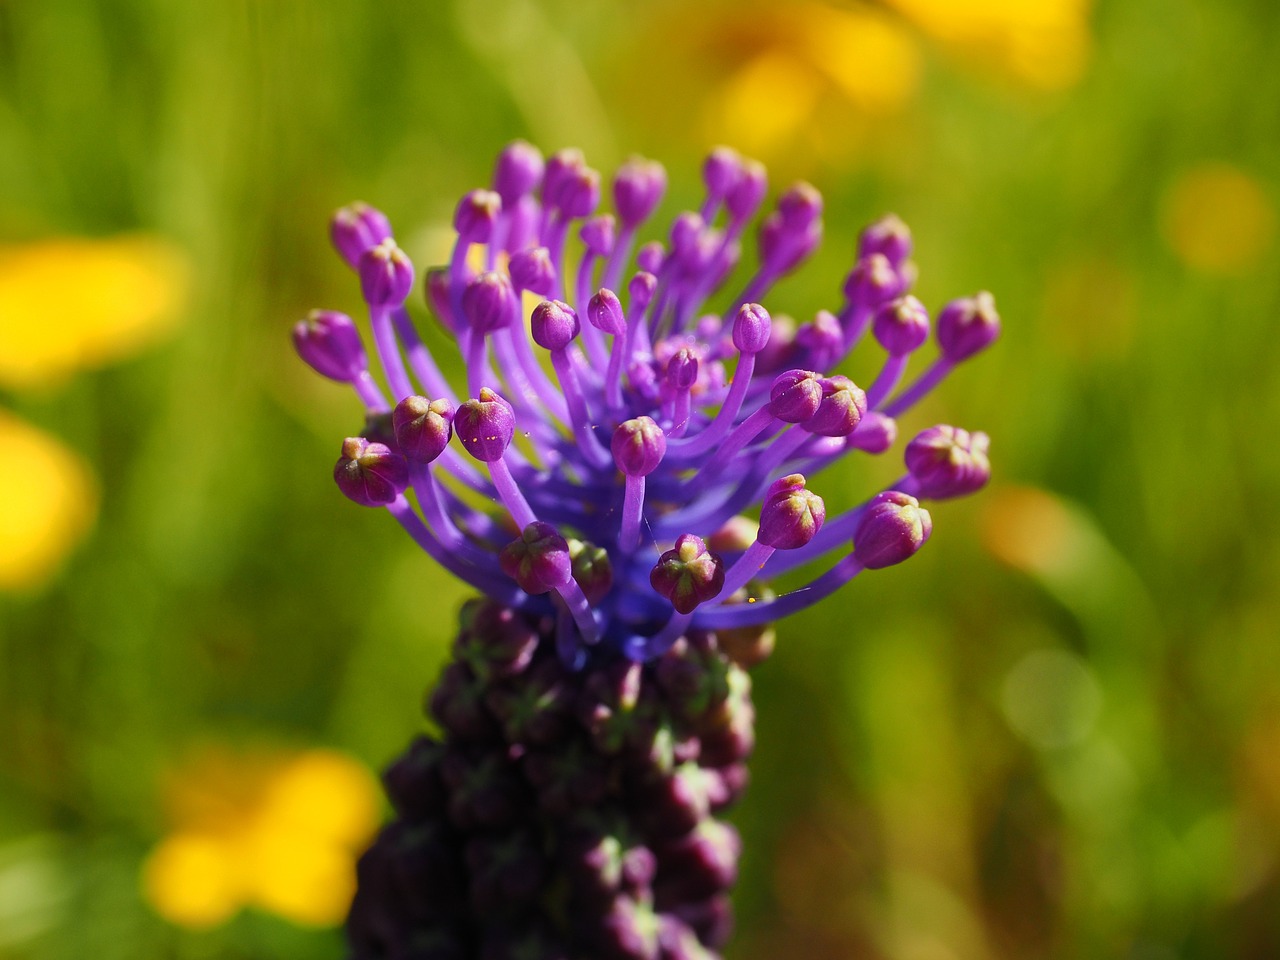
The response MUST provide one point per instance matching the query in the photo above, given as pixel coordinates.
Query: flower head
(676, 406)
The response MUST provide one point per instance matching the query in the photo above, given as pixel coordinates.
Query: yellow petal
(74, 303)
(1218, 219)
(297, 876)
(325, 795)
(48, 501)
(192, 880)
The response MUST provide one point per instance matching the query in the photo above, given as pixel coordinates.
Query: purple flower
(597, 715)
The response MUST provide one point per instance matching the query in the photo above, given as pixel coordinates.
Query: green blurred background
(1055, 734)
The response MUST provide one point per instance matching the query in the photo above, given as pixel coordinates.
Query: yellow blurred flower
(74, 303)
(276, 832)
(1218, 219)
(68, 304)
(1042, 43)
(47, 503)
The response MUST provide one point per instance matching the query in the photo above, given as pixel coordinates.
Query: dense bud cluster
(631, 407)
(560, 814)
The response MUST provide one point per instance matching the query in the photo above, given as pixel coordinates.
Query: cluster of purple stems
(625, 469)
(596, 718)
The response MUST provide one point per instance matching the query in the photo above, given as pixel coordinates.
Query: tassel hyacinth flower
(620, 434)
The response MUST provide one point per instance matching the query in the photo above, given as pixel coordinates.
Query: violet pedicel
(597, 715)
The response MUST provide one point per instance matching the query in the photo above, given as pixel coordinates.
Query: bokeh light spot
(1051, 699)
(1218, 219)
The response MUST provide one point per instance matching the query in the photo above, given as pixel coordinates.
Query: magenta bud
(490, 303)
(784, 245)
(638, 446)
(561, 166)
(751, 328)
(604, 310)
(682, 369)
(553, 324)
(800, 206)
(688, 574)
(538, 560)
(356, 228)
(330, 344)
(485, 425)
(598, 234)
(580, 194)
(795, 395)
(592, 569)
(518, 170)
(386, 275)
(638, 187)
(875, 433)
(967, 326)
(371, 474)
(872, 281)
(888, 236)
(686, 231)
(791, 515)
(641, 289)
(893, 527)
(476, 214)
(651, 256)
(901, 325)
(822, 340)
(841, 409)
(435, 284)
(721, 171)
(423, 427)
(947, 461)
(531, 269)
(747, 193)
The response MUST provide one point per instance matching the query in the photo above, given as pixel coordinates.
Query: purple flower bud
(893, 528)
(875, 433)
(784, 245)
(490, 303)
(888, 236)
(598, 235)
(518, 170)
(413, 781)
(458, 704)
(791, 515)
(495, 641)
(872, 281)
(745, 196)
(641, 289)
(628, 931)
(538, 560)
(330, 344)
(535, 710)
(843, 404)
(678, 941)
(435, 283)
(562, 165)
(901, 325)
(721, 171)
(700, 864)
(822, 341)
(476, 214)
(638, 187)
(688, 574)
(604, 310)
(686, 230)
(592, 570)
(651, 256)
(967, 326)
(580, 194)
(386, 275)
(795, 395)
(485, 425)
(751, 328)
(947, 462)
(638, 446)
(487, 790)
(682, 368)
(356, 228)
(800, 206)
(553, 324)
(532, 269)
(423, 427)
(505, 870)
(371, 474)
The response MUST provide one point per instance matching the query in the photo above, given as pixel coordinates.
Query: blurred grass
(904, 806)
